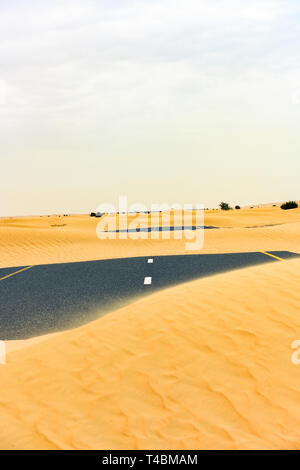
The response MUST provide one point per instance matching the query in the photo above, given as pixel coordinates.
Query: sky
(164, 101)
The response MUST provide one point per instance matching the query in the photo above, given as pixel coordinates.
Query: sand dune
(40, 240)
(203, 365)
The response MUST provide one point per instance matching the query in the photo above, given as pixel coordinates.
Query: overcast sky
(192, 101)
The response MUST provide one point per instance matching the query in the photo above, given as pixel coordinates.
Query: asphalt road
(173, 228)
(48, 298)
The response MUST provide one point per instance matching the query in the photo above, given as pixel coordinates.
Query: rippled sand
(40, 240)
(204, 365)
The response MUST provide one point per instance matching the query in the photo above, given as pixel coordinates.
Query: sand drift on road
(205, 363)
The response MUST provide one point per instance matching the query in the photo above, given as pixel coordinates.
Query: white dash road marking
(150, 260)
(148, 280)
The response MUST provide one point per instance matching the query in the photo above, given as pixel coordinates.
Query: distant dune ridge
(42, 240)
(205, 365)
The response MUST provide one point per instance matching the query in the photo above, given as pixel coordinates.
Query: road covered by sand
(206, 364)
(58, 239)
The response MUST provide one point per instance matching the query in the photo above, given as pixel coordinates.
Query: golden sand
(204, 365)
(42, 240)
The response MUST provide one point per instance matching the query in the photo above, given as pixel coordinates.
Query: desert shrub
(289, 205)
(92, 214)
(224, 206)
(237, 207)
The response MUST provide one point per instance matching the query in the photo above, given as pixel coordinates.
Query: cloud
(55, 54)
(110, 76)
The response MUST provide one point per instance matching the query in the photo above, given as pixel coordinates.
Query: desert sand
(42, 240)
(205, 364)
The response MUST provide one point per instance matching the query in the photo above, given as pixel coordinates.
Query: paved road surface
(48, 298)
